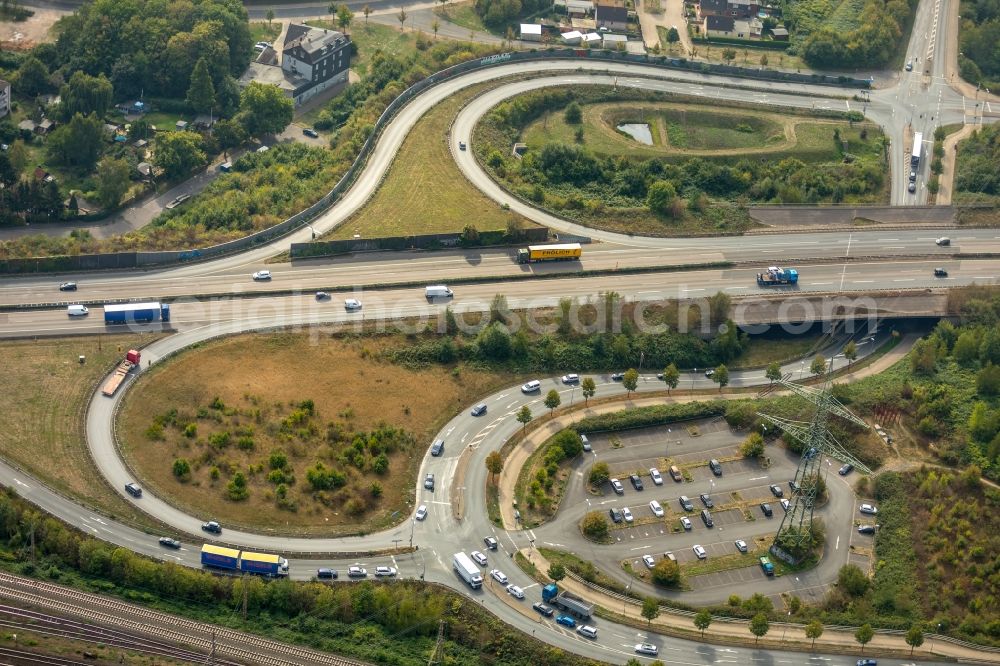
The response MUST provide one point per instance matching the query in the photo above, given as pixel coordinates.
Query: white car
(627, 515)
(178, 201)
(571, 379)
(741, 546)
(868, 508)
(686, 523)
(385, 571)
(784, 504)
(352, 304)
(655, 475)
(699, 552)
(649, 561)
(261, 275)
(646, 648)
(478, 557)
(499, 576)
(515, 591)
(421, 512)
(655, 507)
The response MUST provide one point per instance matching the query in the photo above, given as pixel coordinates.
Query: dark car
(715, 467)
(429, 482)
(212, 526)
(310, 132)
(866, 529)
(867, 662)
(326, 573)
(566, 621)
(67, 286)
(776, 490)
(706, 499)
(616, 515)
(479, 410)
(912, 187)
(543, 609)
(846, 469)
(170, 543)
(940, 272)
(437, 448)
(686, 503)
(133, 490)
(794, 486)
(617, 376)
(636, 481)
(490, 542)
(766, 509)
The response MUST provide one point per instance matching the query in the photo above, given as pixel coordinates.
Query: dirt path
(23, 35)
(946, 182)
(671, 13)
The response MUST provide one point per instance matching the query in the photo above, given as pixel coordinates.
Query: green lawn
(375, 37)
(260, 31)
(424, 192)
(462, 14)
(166, 121)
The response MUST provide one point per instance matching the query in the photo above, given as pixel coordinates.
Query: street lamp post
(628, 589)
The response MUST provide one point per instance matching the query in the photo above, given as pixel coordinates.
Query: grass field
(762, 350)
(261, 31)
(42, 411)
(462, 14)
(376, 37)
(261, 380)
(424, 192)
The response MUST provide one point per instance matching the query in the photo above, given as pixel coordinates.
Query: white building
(531, 32)
(572, 37)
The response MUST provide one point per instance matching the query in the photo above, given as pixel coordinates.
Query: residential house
(575, 8)
(591, 39)
(572, 37)
(45, 126)
(614, 41)
(743, 9)
(611, 17)
(4, 98)
(145, 169)
(531, 32)
(43, 175)
(718, 26)
(744, 29)
(712, 8)
(27, 125)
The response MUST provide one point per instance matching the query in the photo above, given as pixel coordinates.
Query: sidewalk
(792, 636)
(946, 182)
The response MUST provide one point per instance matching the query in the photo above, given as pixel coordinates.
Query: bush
(237, 489)
(182, 469)
(753, 446)
(595, 526)
(666, 573)
(599, 474)
(322, 478)
(650, 416)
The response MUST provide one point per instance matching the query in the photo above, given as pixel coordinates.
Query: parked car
(261, 275)
(479, 410)
(170, 543)
(655, 507)
(617, 486)
(352, 304)
(178, 201)
(776, 490)
(846, 469)
(669, 556)
(67, 286)
(656, 476)
(715, 467)
(866, 529)
(741, 545)
(421, 512)
(627, 515)
(356, 572)
(571, 379)
(766, 509)
(636, 481)
(686, 523)
(646, 648)
(616, 515)
(385, 572)
(868, 509)
(543, 609)
(587, 448)
(478, 557)
(675, 474)
(515, 591)
(429, 482)
(566, 621)
(785, 503)
(649, 561)
(310, 132)
(326, 573)
(706, 499)
(794, 486)
(499, 576)
(699, 551)
(490, 542)
(940, 272)
(212, 526)
(685, 503)
(133, 490)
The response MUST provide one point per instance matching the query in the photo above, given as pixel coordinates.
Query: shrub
(278, 459)
(237, 489)
(182, 469)
(599, 474)
(595, 526)
(322, 478)
(753, 446)
(245, 443)
(154, 432)
(219, 440)
(666, 573)
(191, 430)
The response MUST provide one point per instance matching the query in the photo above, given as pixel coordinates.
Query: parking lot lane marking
(640, 548)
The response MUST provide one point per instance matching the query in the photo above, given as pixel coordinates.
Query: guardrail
(302, 218)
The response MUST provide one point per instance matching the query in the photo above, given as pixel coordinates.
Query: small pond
(638, 131)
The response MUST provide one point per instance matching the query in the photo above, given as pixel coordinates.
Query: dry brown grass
(42, 413)
(348, 385)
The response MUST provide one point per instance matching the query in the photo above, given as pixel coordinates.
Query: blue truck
(568, 602)
(128, 313)
(775, 275)
(232, 559)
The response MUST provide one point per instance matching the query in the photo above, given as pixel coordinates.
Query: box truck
(232, 559)
(437, 291)
(562, 252)
(468, 570)
(127, 313)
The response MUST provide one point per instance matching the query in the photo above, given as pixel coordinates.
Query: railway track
(240, 646)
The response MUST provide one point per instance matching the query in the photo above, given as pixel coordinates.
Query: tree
(552, 400)
(332, 9)
(229, 134)
(32, 77)
(595, 526)
(673, 36)
(112, 181)
(589, 388)
(988, 380)
(270, 17)
(630, 380)
(77, 143)
(721, 377)
(914, 637)
(264, 109)
(182, 468)
(671, 376)
(818, 365)
(178, 153)
(524, 417)
(599, 474)
(773, 372)
(557, 572)
(650, 610)
(729, 55)
(573, 115)
(864, 635)
(660, 197)
(201, 92)
(814, 630)
(666, 573)
(702, 620)
(850, 352)
(852, 580)
(753, 446)
(763, 60)
(499, 310)
(759, 626)
(494, 463)
(85, 94)
(435, 26)
(366, 10)
(401, 17)
(344, 18)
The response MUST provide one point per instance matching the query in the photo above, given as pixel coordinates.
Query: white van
(587, 630)
(77, 310)
(531, 387)
(437, 291)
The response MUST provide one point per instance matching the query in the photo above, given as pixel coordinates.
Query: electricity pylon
(795, 532)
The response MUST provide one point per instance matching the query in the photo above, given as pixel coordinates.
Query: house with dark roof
(611, 17)
(712, 8)
(718, 26)
(743, 9)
